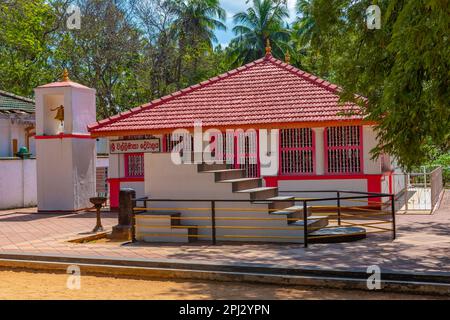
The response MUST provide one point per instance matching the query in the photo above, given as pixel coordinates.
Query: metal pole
(425, 177)
(339, 207)
(133, 222)
(305, 224)
(406, 191)
(213, 221)
(393, 216)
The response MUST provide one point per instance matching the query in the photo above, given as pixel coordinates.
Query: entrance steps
(154, 226)
(259, 214)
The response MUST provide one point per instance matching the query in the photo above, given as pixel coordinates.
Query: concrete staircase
(266, 217)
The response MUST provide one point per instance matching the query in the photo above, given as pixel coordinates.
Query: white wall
(65, 180)
(164, 179)
(17, 183)
(370, 142)
(5, 138)
(10, 131)
(320, 150)
(269, 154)
(102, 162)
(18, 187)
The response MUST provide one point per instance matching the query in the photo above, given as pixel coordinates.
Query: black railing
(363, 195)
(212, 208)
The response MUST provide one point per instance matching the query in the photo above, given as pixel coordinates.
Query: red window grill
(297, 151)
(134, 165)
(343, 147)
(240, 150)
(247, 153)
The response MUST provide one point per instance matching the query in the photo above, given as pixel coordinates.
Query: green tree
(194, 26)
(402, 68)
(103, 54)
(261, 22)
(26, 30)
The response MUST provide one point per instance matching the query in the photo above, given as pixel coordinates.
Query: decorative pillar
(320, 150)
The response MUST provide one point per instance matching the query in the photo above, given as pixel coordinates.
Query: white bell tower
(65, 151)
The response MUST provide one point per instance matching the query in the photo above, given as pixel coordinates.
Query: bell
(59, 113)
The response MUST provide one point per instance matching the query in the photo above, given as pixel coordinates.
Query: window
(343, 149)
(247, 153)
(172, 141)
(134, 165)
(297, 151)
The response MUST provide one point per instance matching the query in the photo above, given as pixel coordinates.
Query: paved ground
(25, 286)
(423, 244)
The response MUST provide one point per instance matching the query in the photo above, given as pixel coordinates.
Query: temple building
(321, 144)
(17, 120)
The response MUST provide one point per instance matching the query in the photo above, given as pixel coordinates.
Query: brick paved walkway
(423, 244)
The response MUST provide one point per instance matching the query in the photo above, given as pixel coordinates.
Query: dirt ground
(43, 286)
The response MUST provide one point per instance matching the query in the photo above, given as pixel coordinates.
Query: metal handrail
(213, 208)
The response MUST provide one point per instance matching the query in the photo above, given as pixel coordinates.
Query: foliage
(403, 69)
(441, 159)
(133, 51)
(261, 22)
(25, 31)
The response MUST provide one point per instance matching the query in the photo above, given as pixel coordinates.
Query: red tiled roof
(267, 91)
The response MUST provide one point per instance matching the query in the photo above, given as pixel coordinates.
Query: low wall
(17, 183)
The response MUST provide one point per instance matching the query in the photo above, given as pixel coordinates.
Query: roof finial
(65, 76)
(268, 48)
(287, 57)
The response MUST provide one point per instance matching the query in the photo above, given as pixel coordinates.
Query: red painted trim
(65, 136)
(127, 160)
(114, 189)
(361, 148)
(164, 143)
(271, 182)
(390, 184)
(373, 180)
(326, 177)
(258, 159)
(374, 185)
(125, 179)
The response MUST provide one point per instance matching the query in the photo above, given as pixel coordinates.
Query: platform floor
(423, 244)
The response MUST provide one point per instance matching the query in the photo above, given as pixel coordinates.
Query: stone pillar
(123, 230)
(320, 150)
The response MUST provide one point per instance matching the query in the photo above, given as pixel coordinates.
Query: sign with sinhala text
(134, 146)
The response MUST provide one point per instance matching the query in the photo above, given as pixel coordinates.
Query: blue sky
(234, 6)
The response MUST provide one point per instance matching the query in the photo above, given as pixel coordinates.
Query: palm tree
(261, 22)
(193, 27)
(198, 19)
(305, 25)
